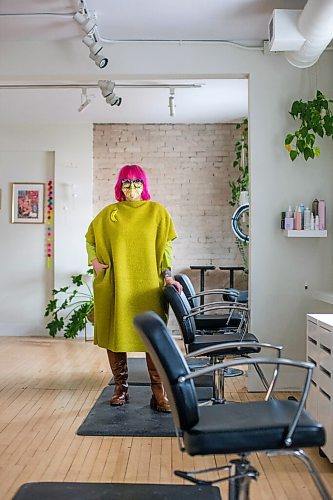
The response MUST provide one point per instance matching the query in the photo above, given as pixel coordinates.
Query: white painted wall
(72, 148)
(26, 279)
(279, 266)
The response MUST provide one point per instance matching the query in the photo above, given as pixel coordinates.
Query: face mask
(132, 189)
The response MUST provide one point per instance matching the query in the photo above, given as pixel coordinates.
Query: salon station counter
(319, 351)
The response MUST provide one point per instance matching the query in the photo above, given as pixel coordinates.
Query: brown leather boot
(159, 400)
(118, 364)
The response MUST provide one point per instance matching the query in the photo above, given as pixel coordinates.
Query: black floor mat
(135, 418)
(116, 491)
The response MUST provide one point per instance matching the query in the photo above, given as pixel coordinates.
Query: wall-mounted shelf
(293, 233)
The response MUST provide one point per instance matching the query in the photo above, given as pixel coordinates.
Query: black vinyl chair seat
(263, 425)
(204, 341)
(215, 321)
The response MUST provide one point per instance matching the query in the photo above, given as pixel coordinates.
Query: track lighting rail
(23, 86)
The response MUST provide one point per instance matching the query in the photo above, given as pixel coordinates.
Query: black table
(231, 270)
(203, 269)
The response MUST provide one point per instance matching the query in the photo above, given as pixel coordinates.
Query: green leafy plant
(70, 308)
(316, 120)
(241, 183)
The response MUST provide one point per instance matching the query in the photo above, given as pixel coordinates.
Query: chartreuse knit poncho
(130, 237)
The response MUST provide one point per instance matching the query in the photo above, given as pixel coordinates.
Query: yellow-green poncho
(130, 237)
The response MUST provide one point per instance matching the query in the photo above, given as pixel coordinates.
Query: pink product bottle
(298, 219)
(322, 214)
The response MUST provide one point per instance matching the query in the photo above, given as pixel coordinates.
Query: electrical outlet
(306, 286)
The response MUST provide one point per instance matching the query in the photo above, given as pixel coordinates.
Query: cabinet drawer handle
(313, 383)
(326, 349)
(325, 394)
(322, 369)
(313, 341)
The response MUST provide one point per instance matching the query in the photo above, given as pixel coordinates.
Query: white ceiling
(244, 21)
(143, 19)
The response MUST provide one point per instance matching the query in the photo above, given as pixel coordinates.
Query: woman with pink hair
(129, 245)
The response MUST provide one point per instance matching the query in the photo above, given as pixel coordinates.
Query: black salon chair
(277, 427)
(233, 294)
(210, 345)
(204, 320)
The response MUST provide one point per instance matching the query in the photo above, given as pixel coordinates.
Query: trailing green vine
(241, 163)
(316, 119)
(241, 183)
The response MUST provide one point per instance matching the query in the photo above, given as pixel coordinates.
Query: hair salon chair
(277, 427)
(204, 320)
(210, 345)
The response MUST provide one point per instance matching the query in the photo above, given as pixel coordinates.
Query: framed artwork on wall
(28, 201)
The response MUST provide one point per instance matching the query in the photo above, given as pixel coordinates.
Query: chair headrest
(181, 308)
(186, 283)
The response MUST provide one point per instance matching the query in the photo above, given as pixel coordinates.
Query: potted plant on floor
(71, 307)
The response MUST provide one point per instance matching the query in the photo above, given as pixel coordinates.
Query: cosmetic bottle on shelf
(289, 213)
(307, 219)
(312, 224)
(316, 223)
(322, 214)
(315, 204)
(298, 219)
(283, 218)
(302, 212)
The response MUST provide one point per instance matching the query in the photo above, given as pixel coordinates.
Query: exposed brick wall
(189, 167)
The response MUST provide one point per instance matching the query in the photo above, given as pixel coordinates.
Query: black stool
(203, 269)
(231, 270)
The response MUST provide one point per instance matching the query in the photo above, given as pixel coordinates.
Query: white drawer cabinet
(319, 350)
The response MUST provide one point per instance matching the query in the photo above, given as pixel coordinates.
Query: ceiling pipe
(315, 24)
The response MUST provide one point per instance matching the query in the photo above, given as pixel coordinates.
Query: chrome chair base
(241, 472)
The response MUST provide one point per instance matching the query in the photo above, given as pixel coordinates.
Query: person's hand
(170, 281)
(98, 266)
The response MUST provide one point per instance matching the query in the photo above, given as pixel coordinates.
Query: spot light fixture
(107, 88)
(86, 23)
(84, 100)
(91, 39)
(172, 104)
(99, 60)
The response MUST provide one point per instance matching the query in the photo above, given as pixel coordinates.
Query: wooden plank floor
(48, 386)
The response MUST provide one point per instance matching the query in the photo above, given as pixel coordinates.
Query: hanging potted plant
(316, 120)
(71, 307)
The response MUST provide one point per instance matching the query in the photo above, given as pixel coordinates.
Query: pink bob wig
(131, 172)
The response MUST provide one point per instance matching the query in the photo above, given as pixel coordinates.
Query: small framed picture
(28, 202)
